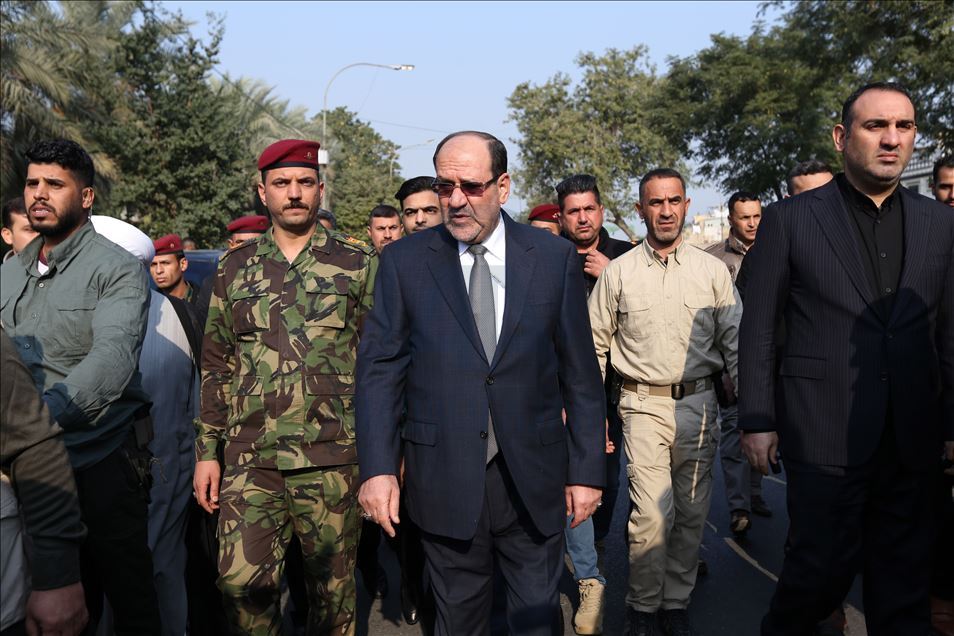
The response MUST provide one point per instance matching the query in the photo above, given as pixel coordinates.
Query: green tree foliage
(174, 146)
(749, 108)
(362, 172)
(608, 125)
(183, 159)
(50, 57)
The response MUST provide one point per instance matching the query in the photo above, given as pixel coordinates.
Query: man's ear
(839, 134)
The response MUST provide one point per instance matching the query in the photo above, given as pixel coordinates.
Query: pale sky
(468, 57)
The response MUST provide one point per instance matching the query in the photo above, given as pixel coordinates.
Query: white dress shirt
(496, 256)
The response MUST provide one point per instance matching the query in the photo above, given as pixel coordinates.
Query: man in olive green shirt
(670, 316)
(75, 305)
(277, 395)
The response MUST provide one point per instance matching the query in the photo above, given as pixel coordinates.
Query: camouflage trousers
(260, 509)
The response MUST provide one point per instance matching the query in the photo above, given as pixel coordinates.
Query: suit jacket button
(483, 435)
(490, 379)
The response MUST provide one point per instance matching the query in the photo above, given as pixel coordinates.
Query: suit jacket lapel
(830, 212)
(520, 266)
(917, 222)
(444, 264)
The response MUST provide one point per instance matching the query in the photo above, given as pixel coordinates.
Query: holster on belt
(136, 449)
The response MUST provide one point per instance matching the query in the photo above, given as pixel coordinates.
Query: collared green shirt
(279, 353)
(79, 329)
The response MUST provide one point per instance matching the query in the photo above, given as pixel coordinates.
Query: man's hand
(581, 502)
(760, 449)
(729, 387)
(380, 497)
(610, 446)
(60, 611)
(596, 262)
(205, 484)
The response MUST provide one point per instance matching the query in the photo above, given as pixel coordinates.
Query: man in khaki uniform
(669, 315)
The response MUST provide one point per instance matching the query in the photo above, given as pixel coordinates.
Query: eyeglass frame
(483, 187)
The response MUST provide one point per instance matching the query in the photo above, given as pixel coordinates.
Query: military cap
(545, 212)
(290, 153)
(168, 244)
(257, 224)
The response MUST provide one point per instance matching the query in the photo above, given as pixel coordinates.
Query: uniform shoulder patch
(352, 241)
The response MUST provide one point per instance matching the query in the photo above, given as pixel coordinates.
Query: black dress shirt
(880, 233)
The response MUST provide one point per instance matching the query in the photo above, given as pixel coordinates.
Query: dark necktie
(482, 303)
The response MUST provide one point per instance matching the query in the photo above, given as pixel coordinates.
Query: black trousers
(115, 559)
(461, 572)
(875, 519)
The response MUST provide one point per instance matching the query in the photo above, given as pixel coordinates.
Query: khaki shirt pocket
(699, 322)
(636, 316)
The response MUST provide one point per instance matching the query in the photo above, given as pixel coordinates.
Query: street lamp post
(399, 149)
(324, 109)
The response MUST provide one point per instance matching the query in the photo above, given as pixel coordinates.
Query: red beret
(545, 212)
(168, 244)
(290, 153)
(248, 224)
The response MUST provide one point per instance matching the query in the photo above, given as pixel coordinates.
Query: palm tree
(51, 61)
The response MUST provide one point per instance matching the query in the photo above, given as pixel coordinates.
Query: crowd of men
(468, 389)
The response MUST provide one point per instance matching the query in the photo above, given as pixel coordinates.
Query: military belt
(674, 391)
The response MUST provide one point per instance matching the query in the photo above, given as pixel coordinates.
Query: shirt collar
(494, 243)
(859, 200)
(268, 247)
(61, 255)
(733, 244)
(651, 256)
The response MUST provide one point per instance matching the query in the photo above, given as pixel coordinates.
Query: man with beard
(420, 207)
(942, 180)
(669, 314)
(277, 384)
(384, 226)
(861, 393)
(75, 305)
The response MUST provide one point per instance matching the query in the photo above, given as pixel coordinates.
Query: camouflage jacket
(279, 353)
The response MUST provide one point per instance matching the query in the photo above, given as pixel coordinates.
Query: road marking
(745, 555)
(854, 616)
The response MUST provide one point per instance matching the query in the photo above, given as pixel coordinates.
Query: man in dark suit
(485, 357)
(862, 273)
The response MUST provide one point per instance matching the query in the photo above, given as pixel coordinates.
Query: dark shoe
(759, 506)
(703, 568)
(675, 622)
(408, 605)
(381, 588)
(740, 523)
(641, 623)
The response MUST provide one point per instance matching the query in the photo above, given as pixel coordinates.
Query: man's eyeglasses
(445, 189)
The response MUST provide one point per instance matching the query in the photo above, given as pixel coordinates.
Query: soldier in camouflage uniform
(277, 384)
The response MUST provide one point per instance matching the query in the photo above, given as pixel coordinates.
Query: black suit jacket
(844, 369)
(420, 350)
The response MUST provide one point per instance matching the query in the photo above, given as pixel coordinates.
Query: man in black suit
(485, 356)
(862, 273)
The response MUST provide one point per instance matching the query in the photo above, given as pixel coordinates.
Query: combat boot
(589, 616)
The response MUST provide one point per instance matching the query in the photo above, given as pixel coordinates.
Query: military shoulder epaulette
(232, 250)
(353, 242)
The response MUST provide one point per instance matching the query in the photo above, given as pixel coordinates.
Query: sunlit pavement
(729, 601)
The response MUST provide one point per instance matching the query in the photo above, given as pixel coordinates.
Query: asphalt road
(729, 601)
